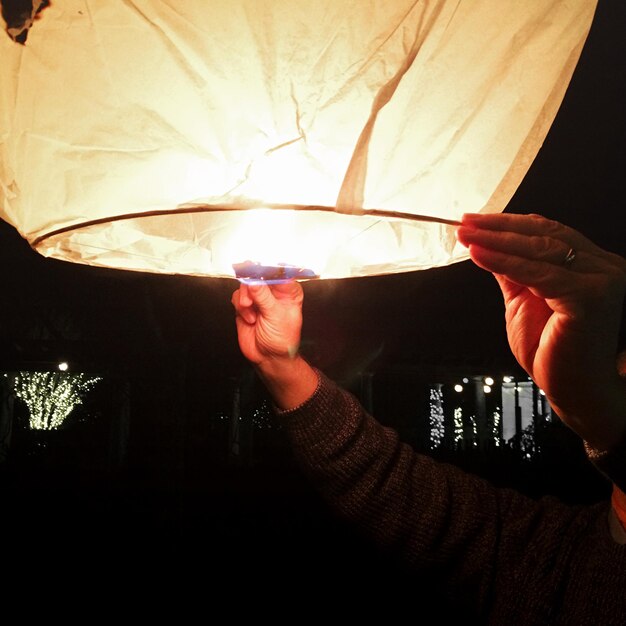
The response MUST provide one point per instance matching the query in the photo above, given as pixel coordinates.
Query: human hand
(269, 320)
(562, 319)
(269, 326)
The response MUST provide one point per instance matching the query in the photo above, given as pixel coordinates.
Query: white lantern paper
(345, 137)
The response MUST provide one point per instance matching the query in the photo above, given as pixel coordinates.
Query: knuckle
(620, 264)
(541, 219)
(550, 227)
(541, 245)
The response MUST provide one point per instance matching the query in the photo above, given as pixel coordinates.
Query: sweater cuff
(323, 419)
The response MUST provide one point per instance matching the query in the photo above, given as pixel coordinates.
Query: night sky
(152, 327)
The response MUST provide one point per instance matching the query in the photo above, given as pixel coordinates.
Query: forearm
(612, 463)
(617, 516)
(399, 498)
(354, 461)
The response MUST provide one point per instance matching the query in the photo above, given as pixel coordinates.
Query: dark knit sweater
(503, 557)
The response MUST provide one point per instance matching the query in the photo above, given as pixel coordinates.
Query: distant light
(466, 380)
(507, 379)
(458, 387)
(488, 380)
(486, 388)
(63, 366)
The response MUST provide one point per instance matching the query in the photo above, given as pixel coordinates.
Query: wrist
(290, 380)
(617, 517)
(601, 419)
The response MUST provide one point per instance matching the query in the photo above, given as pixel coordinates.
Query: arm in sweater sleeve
(510, 554)
(489, 548)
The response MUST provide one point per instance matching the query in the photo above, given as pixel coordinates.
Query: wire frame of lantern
(310, 138)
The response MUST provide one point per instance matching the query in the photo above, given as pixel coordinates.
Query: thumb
(290, 290)
(261, 296)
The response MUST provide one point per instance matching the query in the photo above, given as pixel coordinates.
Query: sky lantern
(267, 139)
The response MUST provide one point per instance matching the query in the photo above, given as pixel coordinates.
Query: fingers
(254, 298)
(532, 251)
(553, 253)
(264, 296)
(531, 226)
(243, 305)
(537, 239)
(544, 279)
(289, 289)
(535, 247)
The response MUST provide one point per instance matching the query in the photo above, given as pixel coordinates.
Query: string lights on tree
(437, 425)
(458, 426)
(51, 396)
(497, 418)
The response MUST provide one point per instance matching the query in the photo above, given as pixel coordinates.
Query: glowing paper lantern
(343, 137)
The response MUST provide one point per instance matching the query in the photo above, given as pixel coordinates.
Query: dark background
(160, 489)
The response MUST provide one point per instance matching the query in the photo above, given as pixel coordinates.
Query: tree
(51, 396)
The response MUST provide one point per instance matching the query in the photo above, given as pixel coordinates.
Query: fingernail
(464, 235)
(468, 218)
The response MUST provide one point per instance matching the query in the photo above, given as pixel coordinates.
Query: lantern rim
(208, 208)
